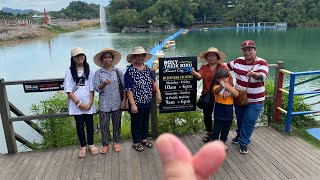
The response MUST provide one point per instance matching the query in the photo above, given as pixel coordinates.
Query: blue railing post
(290, 102)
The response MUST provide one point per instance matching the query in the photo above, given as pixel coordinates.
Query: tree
(116, 5)
(6, 15)
(124, 18)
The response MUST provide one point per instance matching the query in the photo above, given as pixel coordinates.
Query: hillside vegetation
(183, 13)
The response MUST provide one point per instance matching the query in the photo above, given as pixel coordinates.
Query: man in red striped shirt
(250, 72)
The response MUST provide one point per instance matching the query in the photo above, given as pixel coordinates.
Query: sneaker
(243, 149)
(235, 140)
(207, 137)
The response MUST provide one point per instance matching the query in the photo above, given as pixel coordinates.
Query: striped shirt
(256, 89)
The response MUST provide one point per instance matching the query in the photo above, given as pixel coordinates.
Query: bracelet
(77, 101)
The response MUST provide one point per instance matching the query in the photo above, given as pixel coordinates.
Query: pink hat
(248, 43)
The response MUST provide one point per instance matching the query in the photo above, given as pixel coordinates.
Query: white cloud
(50, 5)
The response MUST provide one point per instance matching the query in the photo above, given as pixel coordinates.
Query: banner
(177, 85)
(43, 86)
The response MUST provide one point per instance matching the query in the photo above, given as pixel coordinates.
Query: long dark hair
(74, 72)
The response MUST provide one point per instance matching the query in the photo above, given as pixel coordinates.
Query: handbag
(242, 99)
(121, 86)
(206, 99)
(154, 87)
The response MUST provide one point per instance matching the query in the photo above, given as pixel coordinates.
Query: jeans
(80, 121)
(207, 118)
(140, 124)
(247, 117)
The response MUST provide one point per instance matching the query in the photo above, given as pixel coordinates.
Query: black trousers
(140, 124)
(81, 120)
(221, 128)
(207, 118)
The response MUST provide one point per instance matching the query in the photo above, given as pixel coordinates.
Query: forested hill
(183, 13)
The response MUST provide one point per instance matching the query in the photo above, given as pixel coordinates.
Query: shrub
(298, 105)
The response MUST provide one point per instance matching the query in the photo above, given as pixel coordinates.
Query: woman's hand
(107, 81)
(159, 98)
(193, 72)
(82, 106)
(124, 104)
(88, 106)
(134, 108)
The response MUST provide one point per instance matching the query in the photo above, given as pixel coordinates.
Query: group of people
(114, 89)
(250, 73)
(135, 86)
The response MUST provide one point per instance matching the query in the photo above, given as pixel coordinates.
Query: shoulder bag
(121, 86)
(206, 99)
(154, 88)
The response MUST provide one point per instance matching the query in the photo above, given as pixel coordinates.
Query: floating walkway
(260, 25)
(159, 47)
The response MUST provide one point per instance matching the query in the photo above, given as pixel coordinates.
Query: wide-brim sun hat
(116, 56)
(203, 54)
(138, 50)
(76, 51)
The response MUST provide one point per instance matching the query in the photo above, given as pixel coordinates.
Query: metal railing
(291, 93)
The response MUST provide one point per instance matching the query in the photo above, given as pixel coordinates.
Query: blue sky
(50, 5)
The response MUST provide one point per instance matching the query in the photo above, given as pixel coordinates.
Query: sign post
(177, 85)
(43, 86)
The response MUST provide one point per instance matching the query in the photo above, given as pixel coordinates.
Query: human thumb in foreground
(179, 164)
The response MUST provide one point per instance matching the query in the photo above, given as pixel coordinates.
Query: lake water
(50, 57)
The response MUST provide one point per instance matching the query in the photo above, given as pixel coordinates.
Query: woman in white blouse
(78, 84)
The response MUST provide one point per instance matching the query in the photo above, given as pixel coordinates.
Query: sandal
(207, 137)
(82, 152)
(147, 143)
(104, 149)
(93, 150)
(116, 147)
(138, 147)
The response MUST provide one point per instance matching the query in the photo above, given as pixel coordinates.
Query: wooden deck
(272, 155)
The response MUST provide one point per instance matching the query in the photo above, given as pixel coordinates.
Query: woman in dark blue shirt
(138, 84)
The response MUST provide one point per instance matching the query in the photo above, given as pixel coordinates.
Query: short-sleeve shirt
(223, 107)
(139, 83)
(207, 76)
(256, 88)
(81, 90)
(109, 96)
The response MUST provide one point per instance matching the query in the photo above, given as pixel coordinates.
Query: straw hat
(138, 50)
(76, 51)
(116, 56)
(214, 50)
